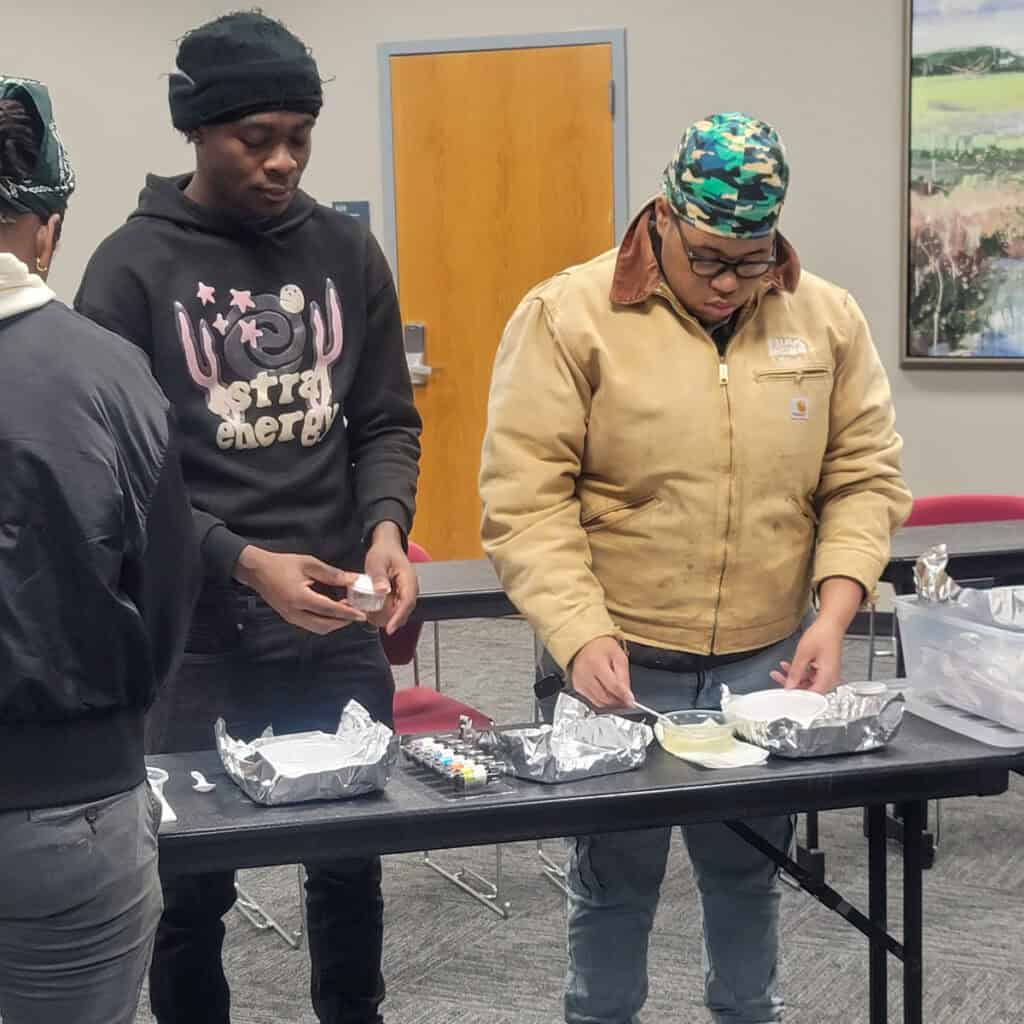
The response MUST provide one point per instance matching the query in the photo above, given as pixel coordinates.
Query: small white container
(362, 596)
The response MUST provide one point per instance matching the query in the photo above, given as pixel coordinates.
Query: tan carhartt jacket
(636, 485)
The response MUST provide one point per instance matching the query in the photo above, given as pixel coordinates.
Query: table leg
(913, 916)
(878, 990)
(810, 856)
(812, 830)
(894, 829)
(903, 588)
(901, 665)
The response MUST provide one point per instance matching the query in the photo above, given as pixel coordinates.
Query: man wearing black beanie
(273, 326)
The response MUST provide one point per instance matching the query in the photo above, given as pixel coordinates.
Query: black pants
(281, 676)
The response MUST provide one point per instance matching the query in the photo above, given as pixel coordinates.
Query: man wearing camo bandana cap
(687, 437)
(728, 177)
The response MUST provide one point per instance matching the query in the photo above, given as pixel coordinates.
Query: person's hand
(288, 584)
(600, 672)
(818, 660)
(388, 566)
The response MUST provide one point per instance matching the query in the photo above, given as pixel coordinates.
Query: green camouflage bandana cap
(46, 190)
(728, 176)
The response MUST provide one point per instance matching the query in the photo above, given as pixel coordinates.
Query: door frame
(615, 37)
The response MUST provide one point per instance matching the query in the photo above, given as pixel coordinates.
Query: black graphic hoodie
(279, 342)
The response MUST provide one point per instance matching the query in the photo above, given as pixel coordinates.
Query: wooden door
(503, 168)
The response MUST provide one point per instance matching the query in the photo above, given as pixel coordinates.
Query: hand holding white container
(363, 596)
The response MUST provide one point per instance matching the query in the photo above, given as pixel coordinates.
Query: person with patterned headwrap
(98, 573)
(688, 437)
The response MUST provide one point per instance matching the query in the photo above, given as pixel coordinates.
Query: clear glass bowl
(695, 731)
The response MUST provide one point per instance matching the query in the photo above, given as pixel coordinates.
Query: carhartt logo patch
(799, 409)
(787, 347)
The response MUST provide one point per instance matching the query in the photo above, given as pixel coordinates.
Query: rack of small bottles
(457, 759)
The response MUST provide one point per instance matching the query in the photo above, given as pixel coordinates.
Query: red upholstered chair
(425, 709)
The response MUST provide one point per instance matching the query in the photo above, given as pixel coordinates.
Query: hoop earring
(41, 267)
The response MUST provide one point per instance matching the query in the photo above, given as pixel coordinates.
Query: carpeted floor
(450, 961)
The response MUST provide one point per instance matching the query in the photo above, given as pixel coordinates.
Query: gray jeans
(614, 881)
(79, 904)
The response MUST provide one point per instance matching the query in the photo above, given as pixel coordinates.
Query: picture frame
(963, 175)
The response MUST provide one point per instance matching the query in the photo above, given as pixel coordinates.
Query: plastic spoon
(664, 719)
(157, 777)
(201, 785)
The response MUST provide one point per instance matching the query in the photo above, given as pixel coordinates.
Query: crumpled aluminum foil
(1005, 606)
(930, 576)
(578, 745)
(303, 766)
(1001, 607)
(851, 723)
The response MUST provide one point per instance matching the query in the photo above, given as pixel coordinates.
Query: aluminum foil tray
(851, 723)
(578, 745)
(299, 767)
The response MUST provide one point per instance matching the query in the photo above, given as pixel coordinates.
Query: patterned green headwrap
(46, 190)
(729, 176)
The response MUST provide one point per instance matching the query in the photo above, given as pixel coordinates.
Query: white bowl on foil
(800, 706)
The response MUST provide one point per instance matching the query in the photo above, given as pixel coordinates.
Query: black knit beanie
(241, 64)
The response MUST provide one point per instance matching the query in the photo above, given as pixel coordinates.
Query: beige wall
(828, 73)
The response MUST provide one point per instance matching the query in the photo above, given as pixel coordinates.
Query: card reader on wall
(415, 355)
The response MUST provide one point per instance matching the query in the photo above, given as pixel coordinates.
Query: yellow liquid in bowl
(705, 737)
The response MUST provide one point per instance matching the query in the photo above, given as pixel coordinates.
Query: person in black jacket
(273, 325)
(99, 569)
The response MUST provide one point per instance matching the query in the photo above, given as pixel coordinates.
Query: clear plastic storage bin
(954, 658)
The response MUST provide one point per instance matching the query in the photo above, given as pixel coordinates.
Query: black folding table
(224, 829)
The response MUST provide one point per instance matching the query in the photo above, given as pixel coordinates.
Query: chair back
(401, 645)
(947, 509)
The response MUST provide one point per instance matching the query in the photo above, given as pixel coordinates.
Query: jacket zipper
(723, 380)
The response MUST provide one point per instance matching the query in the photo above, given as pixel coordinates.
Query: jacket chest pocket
(792, 410)
(812, 376)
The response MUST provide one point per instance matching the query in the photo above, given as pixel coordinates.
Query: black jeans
(282, 676)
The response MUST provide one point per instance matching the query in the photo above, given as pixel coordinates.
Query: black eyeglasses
(710, 269)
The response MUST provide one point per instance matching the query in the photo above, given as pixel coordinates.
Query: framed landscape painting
(965, 208)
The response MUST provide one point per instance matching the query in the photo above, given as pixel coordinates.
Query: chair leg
(875, 651)
(247, 906)
(437, 657)
(300, 873)
(553, 872)
(871, 642)
(490, 894)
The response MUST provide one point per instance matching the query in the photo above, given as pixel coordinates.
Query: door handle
(419, 372)
(415, 356)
